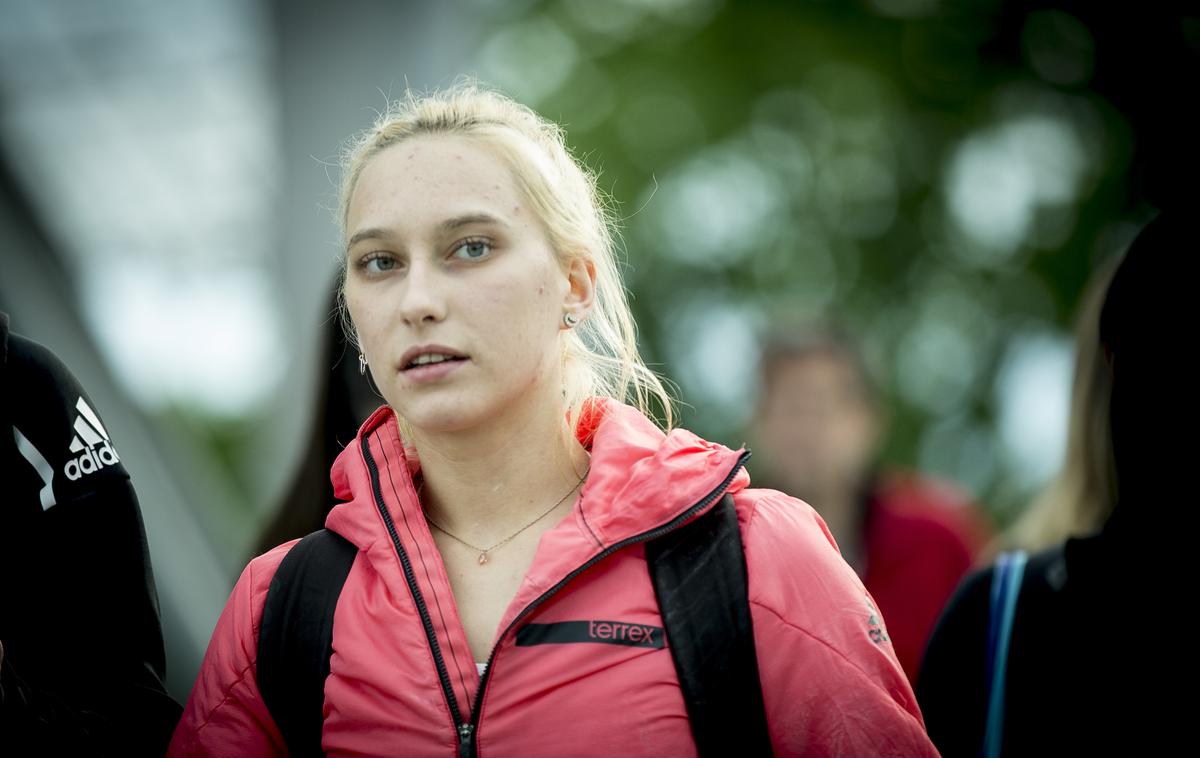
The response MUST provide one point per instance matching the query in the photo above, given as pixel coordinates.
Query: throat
(485, 590)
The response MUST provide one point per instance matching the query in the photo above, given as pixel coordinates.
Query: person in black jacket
(81, 650)
(1101, 660)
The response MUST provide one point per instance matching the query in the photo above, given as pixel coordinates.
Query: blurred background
(939, 177)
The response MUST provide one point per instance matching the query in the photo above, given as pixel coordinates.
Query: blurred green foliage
(887, 165)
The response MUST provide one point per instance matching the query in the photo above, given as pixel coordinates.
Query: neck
(483, 483)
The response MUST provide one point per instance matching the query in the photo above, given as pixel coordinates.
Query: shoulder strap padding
(295, 641)
(699, 575)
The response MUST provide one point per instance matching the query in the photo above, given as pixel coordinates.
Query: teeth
(427, 358)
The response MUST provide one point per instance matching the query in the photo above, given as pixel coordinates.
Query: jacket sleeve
(225, 715)
(83, 652)
(831, 682)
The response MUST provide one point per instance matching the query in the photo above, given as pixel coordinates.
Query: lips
(428, 363)
(429, 355)
(431, 359)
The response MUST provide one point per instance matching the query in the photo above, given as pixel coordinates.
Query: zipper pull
(466, 741)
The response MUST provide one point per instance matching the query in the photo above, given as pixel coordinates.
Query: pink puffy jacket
(601, 684)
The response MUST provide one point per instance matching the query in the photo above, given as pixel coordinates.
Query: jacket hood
(639, 479)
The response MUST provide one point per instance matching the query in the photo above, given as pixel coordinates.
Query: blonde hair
(1083, 494)
(600, 355)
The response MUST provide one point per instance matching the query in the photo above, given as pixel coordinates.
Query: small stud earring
(362, 364)
(571, 320)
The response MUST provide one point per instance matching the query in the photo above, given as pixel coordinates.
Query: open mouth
(432, 359)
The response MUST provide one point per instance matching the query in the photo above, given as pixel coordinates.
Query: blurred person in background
(1098, 645)
(81, 649)
(1084, 492)
(342, 400)
(817, 432)
(500, 504)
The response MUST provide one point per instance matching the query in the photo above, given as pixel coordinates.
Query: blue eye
(472, 249)
(378, 263)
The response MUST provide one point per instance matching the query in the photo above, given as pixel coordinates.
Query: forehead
(424, 180)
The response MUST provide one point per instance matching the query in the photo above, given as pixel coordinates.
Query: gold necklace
(483, 552)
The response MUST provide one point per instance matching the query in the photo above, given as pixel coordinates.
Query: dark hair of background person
(343, 400)
(1142, 329)
(829, 338)
(1099, 642)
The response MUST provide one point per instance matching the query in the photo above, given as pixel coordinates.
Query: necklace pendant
(483, 558)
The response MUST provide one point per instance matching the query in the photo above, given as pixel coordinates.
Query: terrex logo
(635, 634)
(606, 632)
(92, 442)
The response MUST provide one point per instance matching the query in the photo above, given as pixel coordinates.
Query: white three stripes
(88, 433)
(39, 463)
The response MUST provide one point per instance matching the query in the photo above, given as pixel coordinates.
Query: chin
(460, 408)
(443, 417)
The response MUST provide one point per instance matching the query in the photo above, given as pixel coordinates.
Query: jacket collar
(640, 477)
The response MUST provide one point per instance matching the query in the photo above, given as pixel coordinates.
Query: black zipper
(467, 731)
(463, 730)
(467, 736)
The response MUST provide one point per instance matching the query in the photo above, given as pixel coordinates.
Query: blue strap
(1006, 589)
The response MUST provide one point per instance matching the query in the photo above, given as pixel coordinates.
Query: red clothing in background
(921, 537)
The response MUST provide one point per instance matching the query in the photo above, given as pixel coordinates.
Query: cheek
(365, 316)
(525, 325)
(357, 311)
(353, 308)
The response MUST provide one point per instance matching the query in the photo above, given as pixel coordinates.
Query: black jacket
(1100, 659)
(82, 672)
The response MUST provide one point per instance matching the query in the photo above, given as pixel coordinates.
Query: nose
(422, 298)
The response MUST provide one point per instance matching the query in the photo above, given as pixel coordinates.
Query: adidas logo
(92, 441)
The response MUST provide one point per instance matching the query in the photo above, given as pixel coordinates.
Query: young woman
(506, 484)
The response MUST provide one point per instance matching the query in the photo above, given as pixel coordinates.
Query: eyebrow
(366, 234)
(449, 225)
(457, 222)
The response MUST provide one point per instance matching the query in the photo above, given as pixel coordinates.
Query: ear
(581, 282)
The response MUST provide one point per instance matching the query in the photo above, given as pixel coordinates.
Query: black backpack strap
(699, 575)
(295, 641)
